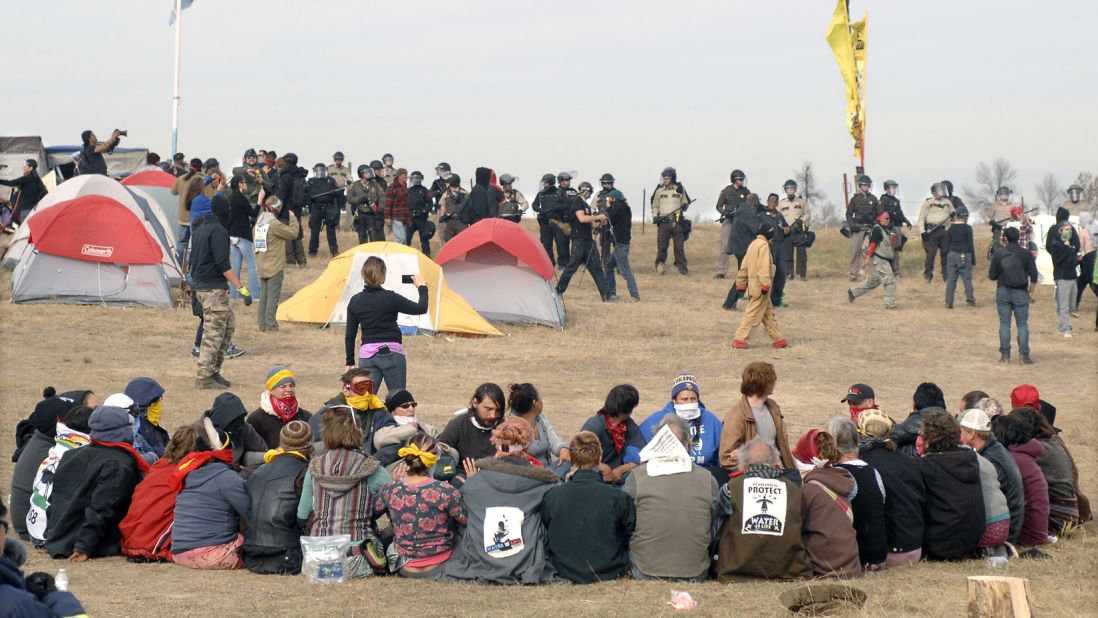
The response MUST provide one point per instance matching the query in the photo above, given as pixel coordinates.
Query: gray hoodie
(209, 509)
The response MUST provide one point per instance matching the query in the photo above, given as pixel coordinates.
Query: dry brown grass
(678, 327)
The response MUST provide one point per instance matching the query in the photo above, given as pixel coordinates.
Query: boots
(1026, 360)
(1004, 357)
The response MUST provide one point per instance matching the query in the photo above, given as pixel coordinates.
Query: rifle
(1000, 222)
(340, 189)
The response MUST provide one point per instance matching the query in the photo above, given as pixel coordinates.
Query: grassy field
(679, 326)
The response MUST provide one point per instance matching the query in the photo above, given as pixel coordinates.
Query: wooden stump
(998, 597)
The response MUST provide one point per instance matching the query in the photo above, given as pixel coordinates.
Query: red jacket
(1035, 522)
(147, 527)
(396, 203)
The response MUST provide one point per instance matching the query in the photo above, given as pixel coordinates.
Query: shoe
(559, 293)
(853, 277)
(613, 298)
(850, 295)
(739, 345)
(718, 276)
(659, 268)
(728, 307)
(949, 305)
(891, 307)
(312, 254)
(1004, 357)
(195, 351)
(684, 272)
(804, 279)
(1026, 360)
(928, 278)
(1034, 554)
(208, 384)
(971, 304)
(635, 299)
(1012, 551)
(781, 343)
(220, 379)
(1067, 334)
(235, 352)
(1074, 315)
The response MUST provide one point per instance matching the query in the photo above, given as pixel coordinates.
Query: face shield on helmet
(416, 179)
(1003, 194)
(938, 190)
(1075, 193)
(320, 170)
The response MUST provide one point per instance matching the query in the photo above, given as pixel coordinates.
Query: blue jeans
(392, 367)
(244, 250)
(1013, 301)
(400, 232)
(181, 246)
(619, 259)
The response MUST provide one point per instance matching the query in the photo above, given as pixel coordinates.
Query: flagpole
(865, 80)
(175, 86)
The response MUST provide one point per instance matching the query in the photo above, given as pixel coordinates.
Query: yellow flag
(842, 42)
(858, 38)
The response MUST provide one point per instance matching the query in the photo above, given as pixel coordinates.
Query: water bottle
(62, 580)
(997, 562)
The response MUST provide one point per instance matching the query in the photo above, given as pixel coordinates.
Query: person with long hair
(470, 432)
(1010, 431)
(619, 435)
(272, 538)
(905, 491)
(828, 517)
(1059, 469)
(754, 415)
(548, 448)
(955, 517)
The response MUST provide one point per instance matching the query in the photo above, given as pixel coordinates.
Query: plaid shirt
(396, 203)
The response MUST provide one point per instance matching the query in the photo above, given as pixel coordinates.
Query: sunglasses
(361, 388)
(408, 405)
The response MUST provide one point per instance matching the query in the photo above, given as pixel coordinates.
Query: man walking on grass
(754, 280)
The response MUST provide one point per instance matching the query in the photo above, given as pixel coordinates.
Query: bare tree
(827, 214)
(1050, 193)
(1089, 183)
(1000, 173)
(824, 214)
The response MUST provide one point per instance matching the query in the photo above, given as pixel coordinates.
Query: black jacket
(588, 527)
(228, 414)
(954, 503)
(284, 188)
(272, 537)
(269, 426)
(1063, 255)
(896, 216)
(621, 222)
(745, 227)
(1010, 481)
(92, 489)
(547, 204)
(209, 254)
(419, 201)
(241, 216)
(1027, 259)
(314, 187)
(905, 496)
(31, 189)
(375, 310)
(906, 433)
(869, 515)
(484, 199)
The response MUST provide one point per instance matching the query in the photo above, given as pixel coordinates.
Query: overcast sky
(529, 88)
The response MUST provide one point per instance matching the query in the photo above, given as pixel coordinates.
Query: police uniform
(323, 212)
(367, 200)
(860, 213)
(1076, 208)
(547, 205)
(793, 210)
(514, 204)
(604, 237)
(343, 177)
(420, 204)
(453, 203)
(668, 206)
(934, 219)
(997, 216)
(896, 220)
(388, 174)
(728, 201)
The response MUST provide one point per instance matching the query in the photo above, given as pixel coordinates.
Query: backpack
(1012, 272)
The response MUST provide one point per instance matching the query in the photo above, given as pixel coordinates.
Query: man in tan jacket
(270, 236)
(755, 415)
(755, 278)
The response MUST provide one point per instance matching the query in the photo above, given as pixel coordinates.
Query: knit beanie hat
(685, 382)
(397, 399)
(52, 407)
(111, 424)
(874, 424)
(277, 376)
(296, 436)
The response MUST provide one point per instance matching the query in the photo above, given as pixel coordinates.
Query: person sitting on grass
(388, 440)
(1059, 469)
(548, 448)
(470, 431)
(504, 542)
(619, 436)
(869, 501)
(227, 414)
(705, 427)
(425, 513)
(588, 523)
(35, 594)
(827, 526)
(357, 393)
(996, 509)
(928, 398)
(278, 406)
(72, 433)
(1009, 430)
(339, 487)
(92, 490)
(272, 536)
(150, 438)
(210, 506)
(955, 517)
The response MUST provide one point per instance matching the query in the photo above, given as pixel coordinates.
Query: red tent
(94, 228)
(150, 178)
(518, 246)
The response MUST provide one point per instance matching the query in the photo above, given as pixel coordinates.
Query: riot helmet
(938, 190)
(738, 175)
(1075, 193)
(290, 158)
(320, 170)
(669, 172)
(607, 179)
(416, 178)
(338, 156)
(362, 169)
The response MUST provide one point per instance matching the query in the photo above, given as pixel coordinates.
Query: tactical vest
(884, 248)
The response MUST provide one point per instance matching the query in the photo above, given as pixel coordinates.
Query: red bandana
(617, 432)
(126, 446)
(533, 461)
(855, 411)
(195, 461)
(285, 408)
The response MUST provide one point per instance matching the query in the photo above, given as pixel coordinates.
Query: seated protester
(905, 492)
(339, 489)
(272, 535)
(977, 434)
(548, 448)
(619, 436)
(996, 511)
(278, 406)
(755, 414)
(676, 504)
(1026, 396)
(990, 406)
(705, 427)
(969, 401)
(869, 498)
(504, 541)
(210, 506)
(369, 411)
(928, 398)
(147, 527)
(425, 513)
(761, 532)
(588, 523)
(389, 440)
(34, 437)
(859, 398)
(227, 415)
(827, 523)
(34, 595)
(955, 518)
(1010, 432)
(72, 433)
(1059, 469)
(470, 431)
(150, 439)
(92, 489)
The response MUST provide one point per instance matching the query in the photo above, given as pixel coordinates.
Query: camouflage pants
(881, 272)
(217, 331)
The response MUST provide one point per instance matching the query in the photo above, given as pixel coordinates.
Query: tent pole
(175, 86)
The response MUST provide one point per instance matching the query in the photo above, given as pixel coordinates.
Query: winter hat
(111, 424)
(1025, 395)
(1062, 214)
(874, 424)
(397, 399)
(295, 436)
(279, 375)
(52, 407)
(227, 411)
(144, 391)
(976, 420)
(685, 382)
(119, 400)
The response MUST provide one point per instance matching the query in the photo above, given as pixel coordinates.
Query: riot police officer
(599, 205)
(388, 172)
(419, 202)
(728, 201)
(860, 214)
(514, 202)
(934, 219)
(367, 198)
(795, 211)
(891, 204)
(320, 193)
(379, 171)
(781, 243)
(450, 209)
(552, 227)
(441, 182)
(342, 175)
(577, 213)
(669, 204)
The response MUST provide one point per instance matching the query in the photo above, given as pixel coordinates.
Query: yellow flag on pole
(847, 42)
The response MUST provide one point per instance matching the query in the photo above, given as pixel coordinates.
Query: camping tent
(325, 300)
(134, 200)
(91, 249)
(158, 185)
(504, 273)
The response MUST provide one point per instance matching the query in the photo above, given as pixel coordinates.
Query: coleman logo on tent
(97, 251)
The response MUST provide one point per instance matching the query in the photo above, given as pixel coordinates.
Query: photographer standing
(91, 153)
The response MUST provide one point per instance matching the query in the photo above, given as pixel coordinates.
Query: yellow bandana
(154, 411)
(275, 452)
(428, 459)
(369, 401)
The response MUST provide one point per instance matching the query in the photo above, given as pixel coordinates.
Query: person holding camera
(374, 311)
(91, 159)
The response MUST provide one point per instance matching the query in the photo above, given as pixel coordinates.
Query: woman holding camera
(374, 310)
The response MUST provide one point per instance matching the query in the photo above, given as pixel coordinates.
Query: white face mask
(404, 420)
(688, 411)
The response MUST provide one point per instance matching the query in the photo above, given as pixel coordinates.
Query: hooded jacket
(869, 513)
(905, 434)
(22, 479)
(773, 548)
(278, 232)
(369, 421)
(1010, 482)
(588, 524)
(828, 525)
(149, 438)
(272, 536)
(504, 542)
(209, 254)
(266, 423)
(705, 433)
(484, 199)
(1063, 254)
(745, 223)
(17, 602)
(1035, 523)
(341, 496)
(905, 496)
(209, 509)
(284, 187)
(954, 503)
(228, 414)
(147, 527)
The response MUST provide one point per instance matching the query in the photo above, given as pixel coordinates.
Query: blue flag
(183, 5)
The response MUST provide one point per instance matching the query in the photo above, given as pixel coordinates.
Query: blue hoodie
(706, 451)
(16, 601)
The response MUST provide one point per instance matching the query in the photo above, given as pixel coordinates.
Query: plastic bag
(681, 599)
(324, 558)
